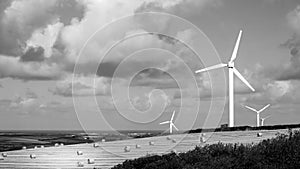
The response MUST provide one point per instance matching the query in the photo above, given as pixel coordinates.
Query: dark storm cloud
(33, 54)
(107, 69)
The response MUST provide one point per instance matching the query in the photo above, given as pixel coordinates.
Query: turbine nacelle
(230, 65)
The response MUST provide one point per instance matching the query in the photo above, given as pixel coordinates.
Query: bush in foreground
(281, 152)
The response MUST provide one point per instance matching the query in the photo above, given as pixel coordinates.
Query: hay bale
(96, 145)
(24, 148)
(4, 154)
(79, 153)
(127, 149)
(138, 146)
(61, 144)
(35, 147)
(56, 144)
(91, 161)
(32, 156)
(151, 143)
(103, 140)
(80, 164)
(202, 139)
(42, 146)
(259, 134)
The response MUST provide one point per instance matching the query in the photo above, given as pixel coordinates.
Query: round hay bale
(91, 161)
(56, 144)
(96, 145)
(35, 147)
(24, 148)
(61, 144)
(79, 153)
(42, 146)
(103, 140)
(202, 140)
(32, 156)
(151, 143)
(80, 164)
(138, 146)
(127, 149)
(259, 134)
(4, 154)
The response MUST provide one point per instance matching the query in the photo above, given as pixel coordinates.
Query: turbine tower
(231, 71)
(171, 123)
(257, 112)
(263, 119)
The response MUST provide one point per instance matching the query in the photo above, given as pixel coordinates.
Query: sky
(113, 65)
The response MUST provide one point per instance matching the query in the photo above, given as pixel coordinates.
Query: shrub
(280, 152)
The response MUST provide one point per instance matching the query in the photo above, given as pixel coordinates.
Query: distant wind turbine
(232, 70)
(257, 112)
(263, 119)
(171, 123)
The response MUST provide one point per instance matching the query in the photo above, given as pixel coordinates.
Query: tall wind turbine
(231, 71)
(171, 123)
(257, 112)
(263, 119)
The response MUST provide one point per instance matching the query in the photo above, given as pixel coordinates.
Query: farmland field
(112, 153)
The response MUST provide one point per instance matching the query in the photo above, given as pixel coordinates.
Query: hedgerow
(281, 152)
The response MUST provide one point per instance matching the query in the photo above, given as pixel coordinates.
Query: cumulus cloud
(294, 19)
(144, 102)
(275, 92)
(14, 68)
(82, 86)
(291, 70)
(20, 19)
(178, 7)
(25, 105)
(29, 31)
(45, 38)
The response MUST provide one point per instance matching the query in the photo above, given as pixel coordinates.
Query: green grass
(281, 152)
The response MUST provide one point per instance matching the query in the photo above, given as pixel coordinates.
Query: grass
(281, 152)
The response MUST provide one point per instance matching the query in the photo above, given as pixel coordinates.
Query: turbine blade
(240, 76)
(264, 108)
(211, 67)
(250, 108)
(175, 127)
(172, 116)
(236, 47)
(165, 122)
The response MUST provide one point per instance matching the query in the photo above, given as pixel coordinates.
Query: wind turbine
(263, 119)
(171, 123)
(231, 71)
(257, 112)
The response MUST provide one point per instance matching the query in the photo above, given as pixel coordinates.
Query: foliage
(280, 152)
